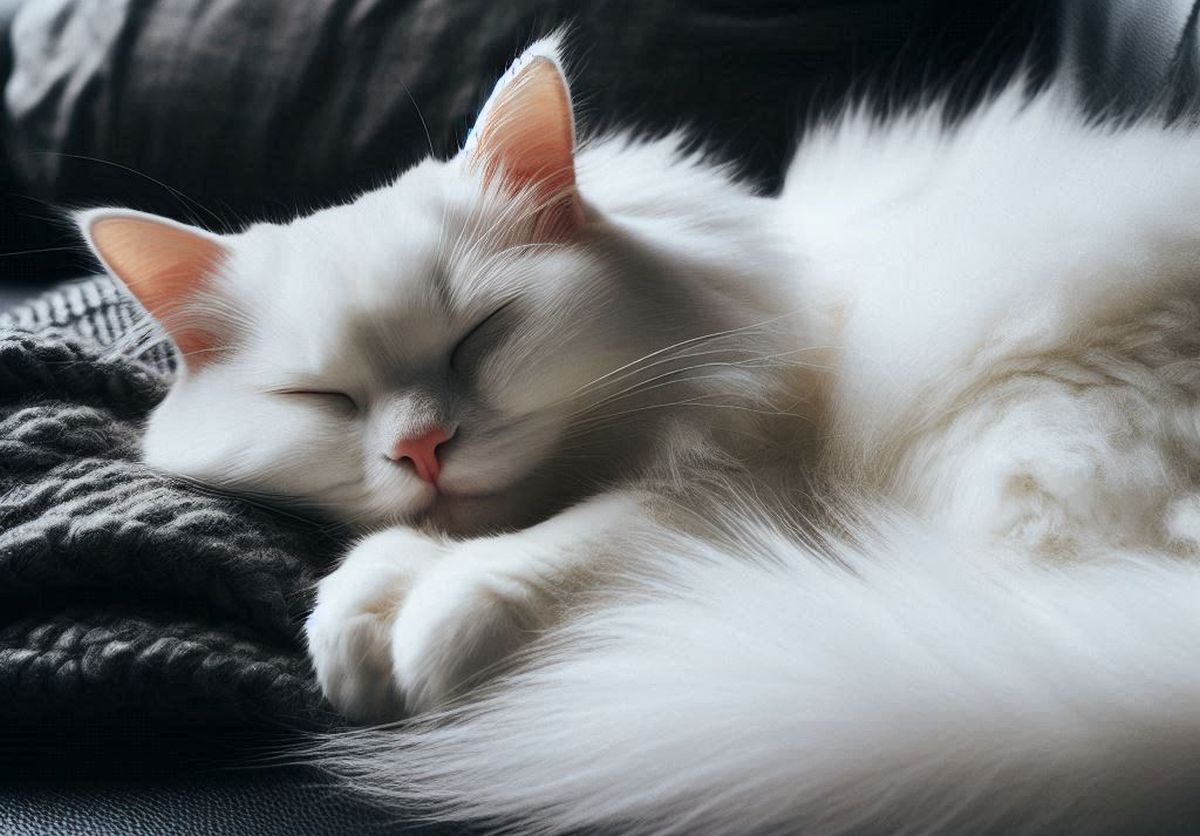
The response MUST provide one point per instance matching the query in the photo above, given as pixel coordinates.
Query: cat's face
(419, 308)
(418, 353)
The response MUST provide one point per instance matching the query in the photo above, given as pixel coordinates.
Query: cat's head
(418, 352)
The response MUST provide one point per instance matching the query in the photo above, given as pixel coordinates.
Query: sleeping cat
(873, 505)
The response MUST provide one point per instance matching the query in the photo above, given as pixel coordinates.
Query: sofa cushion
(223, 111)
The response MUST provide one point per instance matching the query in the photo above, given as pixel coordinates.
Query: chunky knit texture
(125, 594)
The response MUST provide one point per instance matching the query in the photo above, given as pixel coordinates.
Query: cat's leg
(349, 630)
(487, 597)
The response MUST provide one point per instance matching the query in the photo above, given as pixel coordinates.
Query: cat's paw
(350, 630)
(464, 617)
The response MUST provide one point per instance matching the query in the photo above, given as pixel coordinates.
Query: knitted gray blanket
(125, 594)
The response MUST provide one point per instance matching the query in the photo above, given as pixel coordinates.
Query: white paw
(464, 617)
(349, 632)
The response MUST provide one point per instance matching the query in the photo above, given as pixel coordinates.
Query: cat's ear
(524, 138)
(164, 264)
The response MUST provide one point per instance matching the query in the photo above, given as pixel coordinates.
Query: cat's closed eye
(328, 397)
(474, 340)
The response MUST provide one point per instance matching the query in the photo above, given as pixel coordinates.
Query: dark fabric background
(224, 111)
(130, 599)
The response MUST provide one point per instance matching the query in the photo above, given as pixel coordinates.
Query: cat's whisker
(517, 211)
(636, 385)
(699, 402)
(604, 421)
(275, 504)
(185, 200)
(576, 394)
(500, 227)
(664, 378)
(657, 382)
(37, 251)
(686, 342)
(420, 116)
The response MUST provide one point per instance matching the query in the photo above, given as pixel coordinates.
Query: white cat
(870, 507)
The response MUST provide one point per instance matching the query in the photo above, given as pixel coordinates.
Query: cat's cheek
(553, 381)
(186, 435)
(488, 475)
(212, 430)
(482, 468)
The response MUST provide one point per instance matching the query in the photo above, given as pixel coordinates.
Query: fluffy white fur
(909, 684)
(881, 503)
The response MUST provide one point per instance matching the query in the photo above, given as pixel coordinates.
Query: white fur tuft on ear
(548, 49)
(524, 137)
(163, 263)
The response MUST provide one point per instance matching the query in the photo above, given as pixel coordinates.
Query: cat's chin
(472, 515)
(466, 515)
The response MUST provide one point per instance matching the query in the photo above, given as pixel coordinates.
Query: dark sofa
(222, 112)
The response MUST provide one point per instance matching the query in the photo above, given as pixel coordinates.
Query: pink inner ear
(529, 140)
(162, 265)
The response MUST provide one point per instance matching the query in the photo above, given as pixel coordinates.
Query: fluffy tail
(901, 685)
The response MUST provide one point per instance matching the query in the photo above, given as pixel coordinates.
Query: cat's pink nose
(421, 450)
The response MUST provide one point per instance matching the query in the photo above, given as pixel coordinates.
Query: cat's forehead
(382, 276)
(388, 244)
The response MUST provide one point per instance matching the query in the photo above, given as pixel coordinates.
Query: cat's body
(1018, 351)
(890, 516)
